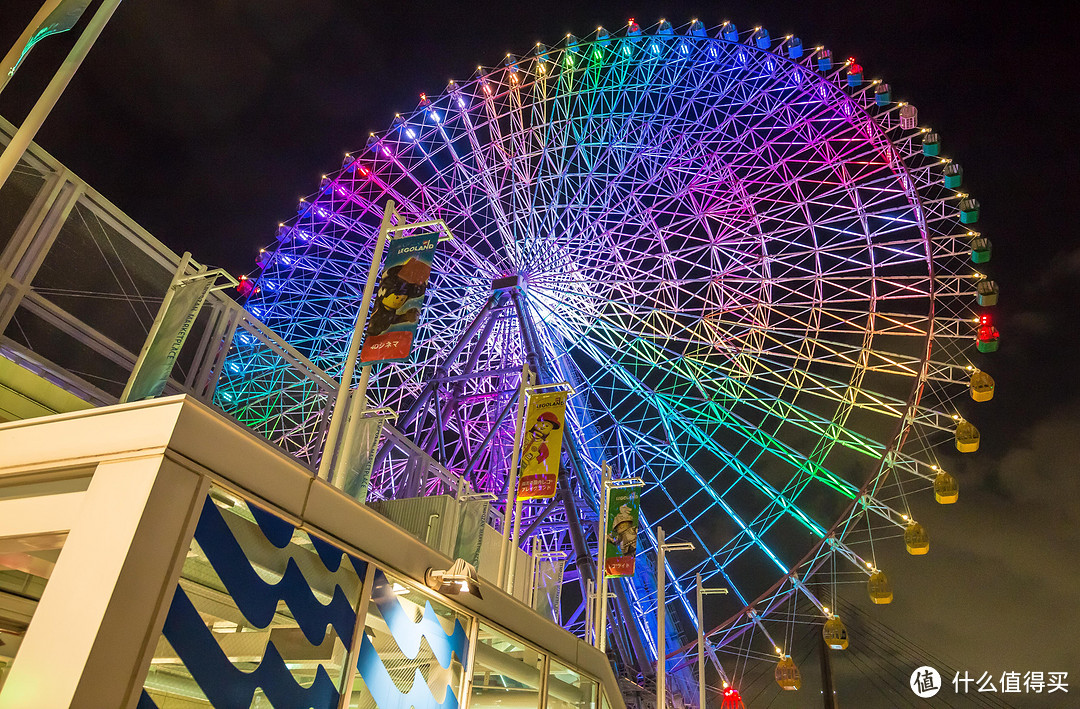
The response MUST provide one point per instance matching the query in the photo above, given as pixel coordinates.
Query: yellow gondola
(879, 588)
(787, 674)
(916, 539)
(946, 488)
(967, 437)
(982, 386)
(835, 634)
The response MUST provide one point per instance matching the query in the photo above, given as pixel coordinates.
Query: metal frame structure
(742, 256)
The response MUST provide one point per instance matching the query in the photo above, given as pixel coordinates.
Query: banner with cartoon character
(624, 504)
(391, 326)
(541, 445)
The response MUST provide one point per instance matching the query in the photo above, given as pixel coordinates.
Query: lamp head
(461, 577)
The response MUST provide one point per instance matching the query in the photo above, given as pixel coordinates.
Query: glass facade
(16, 195)
(413, 650)
(25, 566)
(267, 615)
(507, 673)
(569, 689)
(263, 616)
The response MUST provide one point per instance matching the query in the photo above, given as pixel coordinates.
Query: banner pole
(700, 648)
(355, 409)
(514, 539)
(511, 481)
(29, 128)
(661, 616)
(7, 68)
(601, 568)
(341, 402)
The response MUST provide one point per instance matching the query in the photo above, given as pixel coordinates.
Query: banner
(549, 583)
(152, 371)
(541, 445)
(399, 300)
(358, 451)
(471, 525)
(624, 504)
(61, 19)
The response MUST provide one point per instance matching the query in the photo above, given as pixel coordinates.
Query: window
(506, 672)
(413, 652)
(569, 689)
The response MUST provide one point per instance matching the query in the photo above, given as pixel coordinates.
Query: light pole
(701, 640)
(661, 582)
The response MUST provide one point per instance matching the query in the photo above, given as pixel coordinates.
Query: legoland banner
(400, 299)
(622, 530)
(541, 446)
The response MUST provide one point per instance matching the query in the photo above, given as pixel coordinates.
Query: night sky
(206, 121)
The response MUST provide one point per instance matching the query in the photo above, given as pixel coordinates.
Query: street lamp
(661, 582)
(701, 640)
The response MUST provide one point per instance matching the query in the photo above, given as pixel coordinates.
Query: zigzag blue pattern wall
(408, 635)
(225, 685)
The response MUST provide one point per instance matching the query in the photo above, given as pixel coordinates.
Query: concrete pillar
(91, 639)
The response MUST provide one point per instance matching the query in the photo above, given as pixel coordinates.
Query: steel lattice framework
(747, 267)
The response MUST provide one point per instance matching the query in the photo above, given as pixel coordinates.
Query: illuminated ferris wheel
(747, 258)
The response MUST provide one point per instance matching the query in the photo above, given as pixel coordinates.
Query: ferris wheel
(749, 261)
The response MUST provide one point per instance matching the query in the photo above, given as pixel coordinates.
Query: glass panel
(263, 616)
(66, 351)
(16, 196)
(98, 275)
(506, 673)
(413, 652)
(568, 689)
(25, 566)
(604, 704)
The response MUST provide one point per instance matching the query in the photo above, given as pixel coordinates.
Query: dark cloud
(997, 592)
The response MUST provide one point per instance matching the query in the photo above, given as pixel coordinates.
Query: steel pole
(661, 650)
(506, 565)
(700, 649)
(341, 401)
(601, 552)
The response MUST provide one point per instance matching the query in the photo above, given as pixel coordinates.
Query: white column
(506, 552)
(89, 643)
